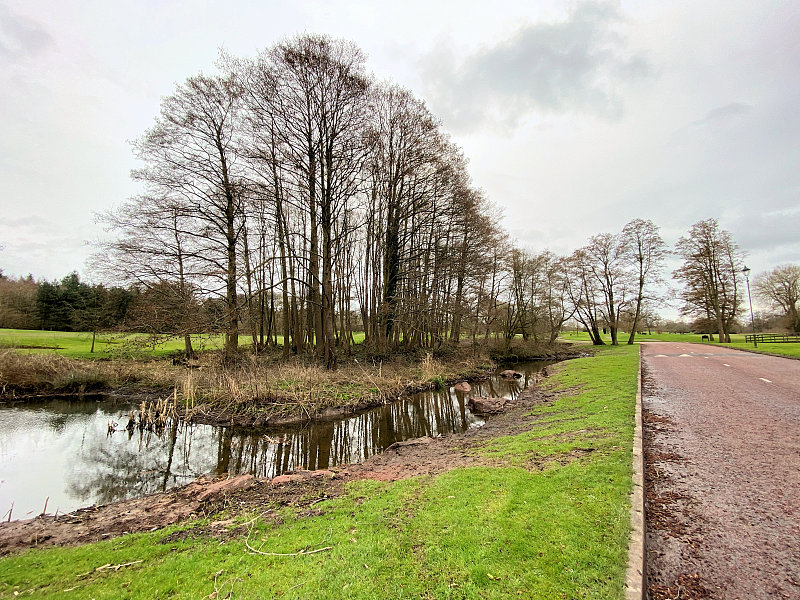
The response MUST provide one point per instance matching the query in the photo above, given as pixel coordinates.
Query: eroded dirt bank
(422, 456)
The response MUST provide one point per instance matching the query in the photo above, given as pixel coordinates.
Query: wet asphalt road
(722, 451)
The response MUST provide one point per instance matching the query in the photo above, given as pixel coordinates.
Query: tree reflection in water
(92, 467)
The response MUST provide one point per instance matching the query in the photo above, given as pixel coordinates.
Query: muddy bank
(421, 456)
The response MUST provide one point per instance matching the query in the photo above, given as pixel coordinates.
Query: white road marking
(767, 380)
(725, 365)
(659, 356)
(685, 354)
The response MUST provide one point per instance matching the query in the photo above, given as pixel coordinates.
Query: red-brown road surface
(722, 453)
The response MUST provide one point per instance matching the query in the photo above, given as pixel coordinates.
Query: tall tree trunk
(251, 320)
(314, 300)
(391, 273)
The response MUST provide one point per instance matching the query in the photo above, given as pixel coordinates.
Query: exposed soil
(722, 486)
(302, 490)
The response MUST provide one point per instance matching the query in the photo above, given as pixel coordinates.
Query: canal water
(59, 452)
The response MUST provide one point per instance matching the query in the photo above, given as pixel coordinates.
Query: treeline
(70, 304)
(310, 201)
(66, 305)
(609, 284)
(295, 199)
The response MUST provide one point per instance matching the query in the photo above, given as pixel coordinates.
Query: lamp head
(746, 271)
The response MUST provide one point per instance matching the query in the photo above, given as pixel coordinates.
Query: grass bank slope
(545, 516)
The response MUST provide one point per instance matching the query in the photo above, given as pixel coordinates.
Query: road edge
(635, 576)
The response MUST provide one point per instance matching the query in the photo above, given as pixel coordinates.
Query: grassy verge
(790, 349)
(549, 520)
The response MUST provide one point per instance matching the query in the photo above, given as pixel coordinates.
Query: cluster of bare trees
(296, 188)
(711, 272)
(294, 199)
(613, 279)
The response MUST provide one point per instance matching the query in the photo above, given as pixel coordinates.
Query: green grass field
(79, 344)
(737, 341)
(550, 521)
(582, 336)
(790, 349)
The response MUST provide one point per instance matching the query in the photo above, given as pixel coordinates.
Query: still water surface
(60, 449)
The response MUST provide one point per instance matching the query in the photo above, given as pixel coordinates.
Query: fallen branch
(109, 566)
(259, 552)
(300, 553)
(256, 518)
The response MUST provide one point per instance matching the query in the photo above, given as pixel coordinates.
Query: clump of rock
(462, 386)
(510, 374)
(487, 406)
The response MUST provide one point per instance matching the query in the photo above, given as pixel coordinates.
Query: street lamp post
(746, 272)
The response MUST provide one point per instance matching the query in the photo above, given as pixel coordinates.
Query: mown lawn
(790, 349)
(737, 341)
(78, 344)
(552, 521)
(582, 336)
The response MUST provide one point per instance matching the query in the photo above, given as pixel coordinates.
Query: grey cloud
(21, 36)
(716, 119)
(724, 113)
(576, 65)
(767, 231)
(30, 223)
(35, 245)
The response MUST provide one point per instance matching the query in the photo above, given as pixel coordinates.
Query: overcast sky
(576, 116)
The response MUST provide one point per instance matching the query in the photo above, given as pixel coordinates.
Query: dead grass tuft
(251, 386)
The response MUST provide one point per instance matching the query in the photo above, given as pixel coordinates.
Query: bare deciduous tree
(781, 287)
(608, 261)
(710, 274)
(646, 251)
(585, 294)
(190, 159)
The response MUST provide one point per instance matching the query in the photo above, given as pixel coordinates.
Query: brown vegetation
(25, 375)
(263, 388)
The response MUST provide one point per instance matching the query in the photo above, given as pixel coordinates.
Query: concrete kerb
(635, 577)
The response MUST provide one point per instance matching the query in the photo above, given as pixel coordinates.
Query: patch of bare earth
(301, 490)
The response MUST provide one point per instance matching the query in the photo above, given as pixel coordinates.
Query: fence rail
(772, 338)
